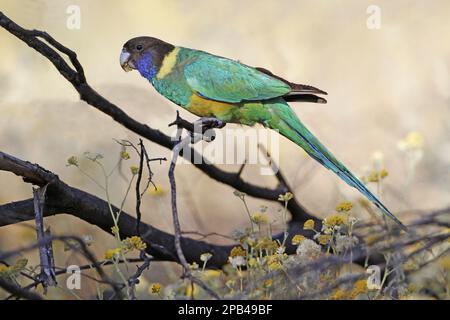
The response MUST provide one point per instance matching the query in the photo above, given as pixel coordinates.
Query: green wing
(225, 80)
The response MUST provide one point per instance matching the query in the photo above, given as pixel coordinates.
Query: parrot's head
(144, 54)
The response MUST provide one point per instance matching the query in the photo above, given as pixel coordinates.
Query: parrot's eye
(139, 47)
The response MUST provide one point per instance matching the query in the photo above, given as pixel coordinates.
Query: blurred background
(388, 103)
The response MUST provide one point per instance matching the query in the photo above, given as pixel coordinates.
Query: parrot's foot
(205, 126)
(201, 128)
(210, 123)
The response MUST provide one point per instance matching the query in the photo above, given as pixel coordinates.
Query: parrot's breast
(208, 108)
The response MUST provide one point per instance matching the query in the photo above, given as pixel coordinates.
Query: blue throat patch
(145, 66)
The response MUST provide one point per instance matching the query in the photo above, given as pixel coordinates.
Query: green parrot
(212, 86)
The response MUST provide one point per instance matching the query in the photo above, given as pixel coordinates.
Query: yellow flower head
(334, 221)
(344, 206)
(383, 173)
(265, 243)
(134, 242)
(252, 262)
(359, 287)
(4, 269)
(414, 140)
(285, 197)
(297, 239)
(114, 230)
(155, 288)
(260, 218)
(238, 251)
(72, 161)
(274, 262)
(111, 253)
(309, 225)
(156, 192)
(324, 239)
(338, 295)
(373, 176)
(125, 155)
(134, 170)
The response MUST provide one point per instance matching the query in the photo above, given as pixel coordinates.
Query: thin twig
(47, 275)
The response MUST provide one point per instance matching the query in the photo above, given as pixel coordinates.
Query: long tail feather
(288, 124)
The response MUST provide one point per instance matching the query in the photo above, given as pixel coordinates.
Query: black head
(134, 50)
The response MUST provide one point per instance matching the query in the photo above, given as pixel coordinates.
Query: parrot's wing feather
(296, 88)
(225, 80)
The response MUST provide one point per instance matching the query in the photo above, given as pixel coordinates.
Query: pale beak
(124, 61)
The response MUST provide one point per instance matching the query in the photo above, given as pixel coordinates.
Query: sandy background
(382, 85)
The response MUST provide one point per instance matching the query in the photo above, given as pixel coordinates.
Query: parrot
(209, 85)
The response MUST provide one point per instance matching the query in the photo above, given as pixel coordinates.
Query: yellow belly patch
(208, 108)
(168, 63)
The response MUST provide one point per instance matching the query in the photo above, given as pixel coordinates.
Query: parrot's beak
(124, 61)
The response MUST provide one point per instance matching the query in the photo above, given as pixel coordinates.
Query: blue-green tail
(288, 124)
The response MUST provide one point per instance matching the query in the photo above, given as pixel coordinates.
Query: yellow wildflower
(297, 239)
(134, 242)
(285, 197)
(373, 176)
(155, 288)
(239, 194)
(111, 253)
(134, 170)
(383, 173)
(359, 287)
(72, 161)
(334, 220)
(414, 140)
(273, 262)
(4, 270)
(309, 225)
(156, 192)
(252, 262)
(338, 295)
(344, 206)
(125, 155)
(238, 251)
(260, 218)
(115, 230)
(324, 239)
